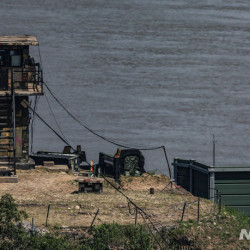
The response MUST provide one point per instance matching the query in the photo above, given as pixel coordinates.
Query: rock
(122, 206)
(28, 228)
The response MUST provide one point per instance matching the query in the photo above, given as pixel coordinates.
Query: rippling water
(143, 72)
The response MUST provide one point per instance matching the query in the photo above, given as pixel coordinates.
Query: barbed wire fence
(76, 214)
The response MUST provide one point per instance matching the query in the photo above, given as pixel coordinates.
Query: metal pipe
(136, 216)
(219, 194)
(168, 165)
(214, 150)
(183, 211)
(47, 217)
(94, 218)
(198, 212)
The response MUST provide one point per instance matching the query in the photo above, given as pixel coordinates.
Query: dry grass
(37, 189)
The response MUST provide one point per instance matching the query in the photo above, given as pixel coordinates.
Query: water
(143, 72)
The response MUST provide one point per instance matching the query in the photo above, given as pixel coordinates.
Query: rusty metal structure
(20, 78)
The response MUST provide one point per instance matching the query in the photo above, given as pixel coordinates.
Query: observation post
(20, 78)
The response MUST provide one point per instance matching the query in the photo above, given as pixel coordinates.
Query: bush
(176, 237)
(10, 234)
(49, 241)
(125, 236)
(13, 235)
(105, 236)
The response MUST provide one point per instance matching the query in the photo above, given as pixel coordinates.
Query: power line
(25, 103)
(55, 117)
(140, 210)
(91, 130)
(106, 139)
(100, 136)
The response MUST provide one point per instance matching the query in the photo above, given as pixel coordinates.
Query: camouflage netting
(131, 166)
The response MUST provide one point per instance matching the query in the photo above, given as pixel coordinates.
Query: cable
(60, 137)
(140, 210)
(150, 230)
(106, 139)
(98, 135)
(91, 130)
(55, 117)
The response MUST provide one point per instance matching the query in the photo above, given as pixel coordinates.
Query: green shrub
(175, 237)
(49, 241)
(103, 237)
(126, 236)
(10, 234)
(13, 235)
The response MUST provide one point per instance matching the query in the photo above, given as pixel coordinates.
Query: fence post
(136, 216)
(94, 218)
(219, 195)
(198, 214)
(47, 216)
(183, 211)
(32, 230)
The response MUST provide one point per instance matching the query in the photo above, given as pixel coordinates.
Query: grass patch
(216, 231)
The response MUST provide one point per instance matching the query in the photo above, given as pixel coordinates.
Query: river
(143, 72)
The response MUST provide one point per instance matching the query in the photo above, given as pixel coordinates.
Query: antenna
(214, 149)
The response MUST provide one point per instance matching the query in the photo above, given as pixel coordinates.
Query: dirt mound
(144, 182)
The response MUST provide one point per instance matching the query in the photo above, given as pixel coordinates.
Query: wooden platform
(38, 90)
(18, 40)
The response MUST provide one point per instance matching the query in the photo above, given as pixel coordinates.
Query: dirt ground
(36, 189)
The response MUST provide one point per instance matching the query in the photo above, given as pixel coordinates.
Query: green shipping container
(204, 181)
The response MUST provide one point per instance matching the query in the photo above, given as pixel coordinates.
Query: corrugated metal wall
(232, 183)
(200, 184)
(235, 189)
(183, 177)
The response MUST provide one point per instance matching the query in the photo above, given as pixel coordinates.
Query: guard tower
(20, 78)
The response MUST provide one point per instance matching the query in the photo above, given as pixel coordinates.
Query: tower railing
(28, 78)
